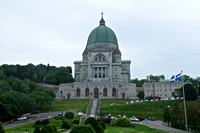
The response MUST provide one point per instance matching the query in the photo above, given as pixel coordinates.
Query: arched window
(78, 92)
(87, 92)
(114, 92)
(105, 92)
(100, 58)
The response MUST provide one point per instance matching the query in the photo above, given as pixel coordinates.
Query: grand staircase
(93, 110)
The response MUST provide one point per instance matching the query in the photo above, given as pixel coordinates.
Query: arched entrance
(123, 95)
(96, 93)
(68, 96)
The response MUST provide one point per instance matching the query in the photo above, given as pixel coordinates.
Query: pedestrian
(26, 131)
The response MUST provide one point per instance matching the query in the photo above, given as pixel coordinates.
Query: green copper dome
(102, 34)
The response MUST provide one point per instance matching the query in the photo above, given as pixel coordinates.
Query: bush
(103, 125)
(123, 122)
(59, 117)
(37, 130)
(48, 129)
(69, 115)
(82, 129)
(65, 125)
(38, 122)
(76, 117)
(107, 120)
(1, 128)
(97, 127)
(76, 122)
(45, 122)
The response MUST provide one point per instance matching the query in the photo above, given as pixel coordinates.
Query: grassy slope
(147, 109)
(72, 104)
(136, 129)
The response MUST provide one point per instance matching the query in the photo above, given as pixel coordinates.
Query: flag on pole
(172, 79)
(175, 78)
(178, 77)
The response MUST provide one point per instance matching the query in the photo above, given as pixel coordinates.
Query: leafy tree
(47, 129)
(65, 125)
(141, 94)
(167, 116)
(177, 117)
(82, 129)
(69, 115)
(37, 130)
(93, 122)
(193, 113)
(123, 122)
(1, 128)
(103, 125)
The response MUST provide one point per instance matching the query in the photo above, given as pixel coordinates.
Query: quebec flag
(178, 77)
(172, 79)
(175, 78)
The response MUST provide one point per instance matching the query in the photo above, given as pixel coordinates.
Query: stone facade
(162, 89)
(101, 73)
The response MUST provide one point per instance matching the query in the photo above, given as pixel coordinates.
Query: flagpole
(186, 124)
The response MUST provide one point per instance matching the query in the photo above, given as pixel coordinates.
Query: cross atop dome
(102, 21)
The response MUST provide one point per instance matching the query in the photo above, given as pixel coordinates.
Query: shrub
(97, 127)
(38, 122)
(82, 129)
(37, 130)
(69, 115)
(65, 125)
(45, 122)
(76, 117)
(76, 122)
(107, 120)
(103, 125)
(1, 128)
(47, 129)
(123, 122)
(59, 117)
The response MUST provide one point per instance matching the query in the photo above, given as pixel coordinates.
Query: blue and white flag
(172, 79)
(175, 78)
(178, 77)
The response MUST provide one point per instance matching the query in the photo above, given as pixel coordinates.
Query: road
(160, 126)
(34, 117)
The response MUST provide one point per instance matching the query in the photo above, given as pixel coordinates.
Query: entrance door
(96, 93)
(123, 95)
(68, 96)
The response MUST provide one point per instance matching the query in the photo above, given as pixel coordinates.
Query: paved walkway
(159, 125)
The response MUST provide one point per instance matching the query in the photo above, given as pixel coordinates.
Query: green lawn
(146, 109)
(138, 128)
(72, 104)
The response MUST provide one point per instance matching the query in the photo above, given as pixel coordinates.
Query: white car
(137, 101)
(22, 118)
(124, 116)
(80, 113)
(131, 102)
(133, 118)
(146, 100)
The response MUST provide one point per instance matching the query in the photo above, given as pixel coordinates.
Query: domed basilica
(101, 73)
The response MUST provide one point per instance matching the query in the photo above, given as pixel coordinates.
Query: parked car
(172, 98)
(141, 118)
(35, 112)
(60, 113)
(112, 118)
(124, 116)
(80, 113)
(112, 104)
(152, 118)
(126, 102)
(133, 118)
(22, 118)
(131, 102)
(119, 116)
(146, 100)
(137, 101)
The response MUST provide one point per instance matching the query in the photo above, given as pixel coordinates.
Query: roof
(102, 34)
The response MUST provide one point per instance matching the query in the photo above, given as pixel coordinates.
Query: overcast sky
(158, 36)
